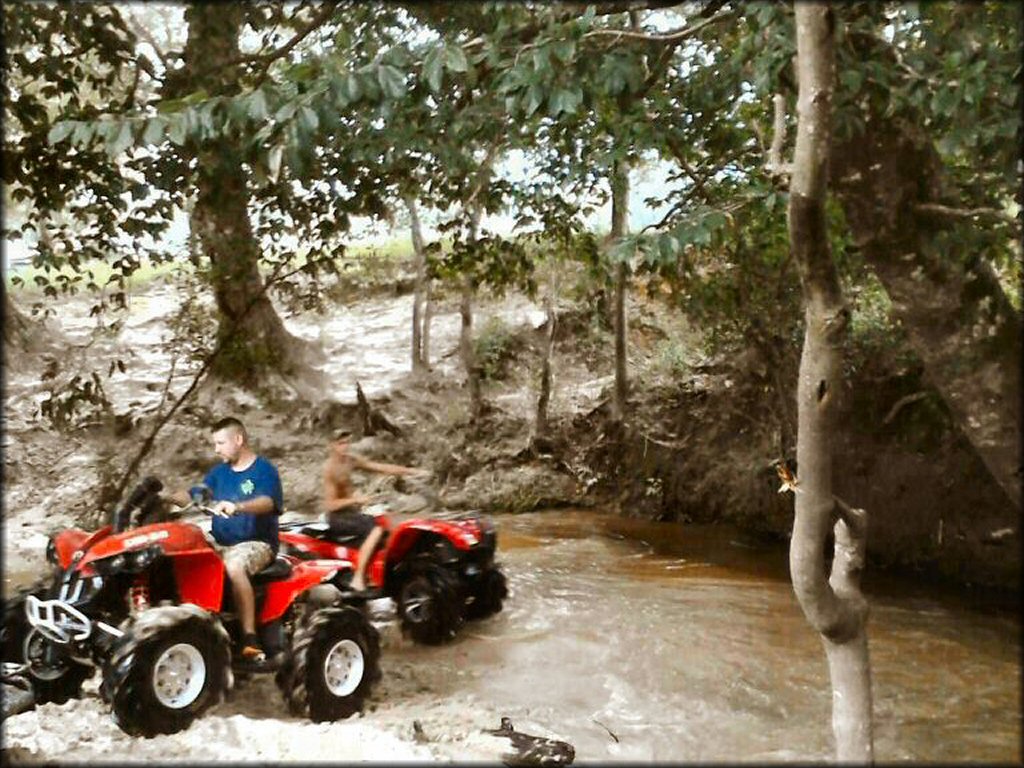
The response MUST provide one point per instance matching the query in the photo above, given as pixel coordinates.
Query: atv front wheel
(54, 676)
(488, 595)
(171, 665)
(333, 664)
(429, 603)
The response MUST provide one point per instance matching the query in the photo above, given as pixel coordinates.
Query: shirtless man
(342, 504)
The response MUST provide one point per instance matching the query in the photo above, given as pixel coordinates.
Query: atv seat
(278, 570)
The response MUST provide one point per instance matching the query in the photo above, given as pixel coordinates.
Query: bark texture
(540, 429)
(468, 354)
(833, 606)
(253, 336)
(620, 218)
(948, 300)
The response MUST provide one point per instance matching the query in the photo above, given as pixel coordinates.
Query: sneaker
(251, 651)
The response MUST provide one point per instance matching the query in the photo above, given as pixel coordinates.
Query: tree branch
(668, 38)
(966, 213)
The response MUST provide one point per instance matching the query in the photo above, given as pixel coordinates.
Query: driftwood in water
(532, 750)
(373, 420)
(17, 694)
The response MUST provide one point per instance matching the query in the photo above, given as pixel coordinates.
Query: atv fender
(305, 575)
(200, 578)
(405, 536)
(67, 543)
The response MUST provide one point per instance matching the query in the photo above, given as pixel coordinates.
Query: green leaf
(308, 119)
(61, 130)
(433, 70)
(285, 113)
(177, 130)
(156, 127)
(352, 89)
(534, 97)
(122, 141)
(564, 50)
(392, 82)
(258, 105)
(83, 134)
(455, 58)
(274, 161)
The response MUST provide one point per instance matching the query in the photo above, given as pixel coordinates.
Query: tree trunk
(540, 429)
(620, 218)
(428, 316)
(418, 362)
(469, 360)
(16, 325)
(834, 607)
(948, 300)
(253, 337)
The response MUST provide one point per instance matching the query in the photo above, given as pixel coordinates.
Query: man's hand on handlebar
(224, 508)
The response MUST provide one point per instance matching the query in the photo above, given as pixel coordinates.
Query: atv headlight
(110, 565)
(143, 558)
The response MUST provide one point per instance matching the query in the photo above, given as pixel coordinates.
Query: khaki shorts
(254, 556)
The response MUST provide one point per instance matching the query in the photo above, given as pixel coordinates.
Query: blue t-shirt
(259, 479)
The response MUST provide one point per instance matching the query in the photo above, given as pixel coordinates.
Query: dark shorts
(350, 525)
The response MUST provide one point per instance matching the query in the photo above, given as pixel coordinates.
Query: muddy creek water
(648, 641)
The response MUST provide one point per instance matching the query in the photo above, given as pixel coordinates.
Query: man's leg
(245, 599)
(240, 562)
(365, 554)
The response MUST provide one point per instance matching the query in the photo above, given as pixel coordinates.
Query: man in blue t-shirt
(247, 501)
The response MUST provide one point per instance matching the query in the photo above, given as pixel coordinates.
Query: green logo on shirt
(247, 486)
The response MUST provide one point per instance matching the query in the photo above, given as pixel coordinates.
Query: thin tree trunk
(834, 607)
(428, 316)
(469, 361)
(221, 213)
(418, 362)
(540, 429)
(620, 218)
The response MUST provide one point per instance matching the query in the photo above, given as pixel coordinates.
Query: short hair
(232, 423)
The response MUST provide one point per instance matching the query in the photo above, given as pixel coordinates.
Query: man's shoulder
(264, 464)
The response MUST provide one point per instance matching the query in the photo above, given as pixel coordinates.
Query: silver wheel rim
(179, 676)
(343, 667)
(418, 604)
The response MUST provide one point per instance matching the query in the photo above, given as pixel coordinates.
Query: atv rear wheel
(54, 677)
(171, 665)
(488, 596)
(429, 603)
(332, 666)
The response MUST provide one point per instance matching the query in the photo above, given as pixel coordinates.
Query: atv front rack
(61, 622)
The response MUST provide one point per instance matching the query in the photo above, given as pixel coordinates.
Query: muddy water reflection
(687, 644)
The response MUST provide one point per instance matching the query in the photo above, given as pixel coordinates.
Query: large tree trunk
(419, 362)
(834, 607)
(251, 335)
(620, 218)
(948, 301)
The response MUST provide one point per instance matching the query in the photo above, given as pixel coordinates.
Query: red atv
(438, 571)
(151, 606)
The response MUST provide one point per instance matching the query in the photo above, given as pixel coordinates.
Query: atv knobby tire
(171, 665)
(23, 644)
(430, 602)
(488, 595)
(332, 666)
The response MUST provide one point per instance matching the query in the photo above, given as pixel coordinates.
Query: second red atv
(151, 607)
(439, 571)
